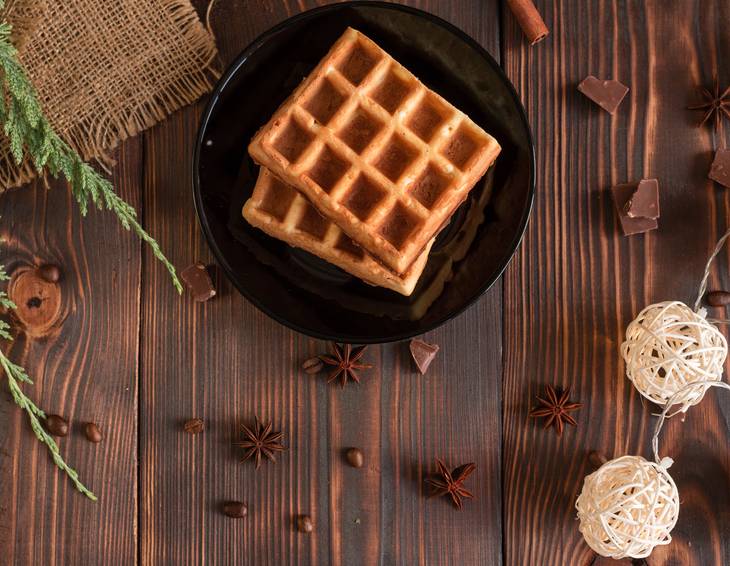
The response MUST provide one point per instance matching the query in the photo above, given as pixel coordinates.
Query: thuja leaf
(16, 375)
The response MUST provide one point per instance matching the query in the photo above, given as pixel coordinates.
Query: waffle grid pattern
(282, 212)
(375, 150)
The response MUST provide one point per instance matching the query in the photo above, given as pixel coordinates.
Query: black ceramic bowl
(300, 290)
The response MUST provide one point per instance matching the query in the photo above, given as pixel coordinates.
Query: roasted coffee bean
(305, 524)
(56, 425)
(354, 457)
(235, 509)
(313, 365)
(92, 432)
(194, 426)
(50, 273)
(596, 459)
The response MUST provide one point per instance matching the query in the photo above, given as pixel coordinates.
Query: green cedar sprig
(27, 129)
(17, 375)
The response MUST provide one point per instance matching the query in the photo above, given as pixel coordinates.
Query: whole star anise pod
(345, 360)
(555, 408)
(450, 483)
(260, 440)
(716, 105)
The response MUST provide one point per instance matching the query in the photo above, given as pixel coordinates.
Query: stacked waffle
(363, 165)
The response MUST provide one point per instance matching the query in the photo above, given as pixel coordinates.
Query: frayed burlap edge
(187, 89)
(97, 138)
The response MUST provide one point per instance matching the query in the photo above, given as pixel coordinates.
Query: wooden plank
(86, 369)
(577, 283)
(225, 362)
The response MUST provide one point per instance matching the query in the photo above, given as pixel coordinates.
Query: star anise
(345, 360)
(260, 440)
(716, 105)
(555, 408)
(450, 483)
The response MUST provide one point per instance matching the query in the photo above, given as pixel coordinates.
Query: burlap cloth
(108, 69)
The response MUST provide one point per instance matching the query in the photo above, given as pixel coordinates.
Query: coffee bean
(313, 365)
(56, 425)
(596, 459)
(50, 273)
(194, 426)
(235, 509)
(92, 432)
(718, 298)
(354, 457)
(304, 524)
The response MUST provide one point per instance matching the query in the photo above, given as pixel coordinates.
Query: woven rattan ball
(627, 507)
(668, 346)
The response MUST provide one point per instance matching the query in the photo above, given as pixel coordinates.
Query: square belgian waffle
(282, 212)
(384, 157)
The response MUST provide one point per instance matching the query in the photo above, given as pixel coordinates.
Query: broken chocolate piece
(644, 203)
(607, 94)
(621, 196)
(423, 354)
(720, 170)
(198, 281)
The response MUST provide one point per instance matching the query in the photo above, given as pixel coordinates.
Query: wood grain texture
(225, 362)
(576, 282)
(85, 370)
(558, 317)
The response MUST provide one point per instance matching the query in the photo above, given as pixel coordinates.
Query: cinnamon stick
(529, 19)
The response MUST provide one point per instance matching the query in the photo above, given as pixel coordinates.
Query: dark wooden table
(136, 358)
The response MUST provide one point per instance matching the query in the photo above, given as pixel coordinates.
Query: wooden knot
(38, 301)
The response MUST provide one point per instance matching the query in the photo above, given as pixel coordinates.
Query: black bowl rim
(233, 69)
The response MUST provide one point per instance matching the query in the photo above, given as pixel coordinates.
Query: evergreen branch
(27, 129)
(17, 375)
(35, 415)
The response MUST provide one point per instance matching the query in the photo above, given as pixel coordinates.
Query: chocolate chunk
(644, 203)
(621, 196)
(607, 94)
(720, 170)
(198, 281)
(423, 354)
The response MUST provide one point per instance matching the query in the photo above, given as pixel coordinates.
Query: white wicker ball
(668, 346)
(627, 507)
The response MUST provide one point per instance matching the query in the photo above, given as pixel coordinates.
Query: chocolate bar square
(607, 94)
(644, 203)
(622, 194)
